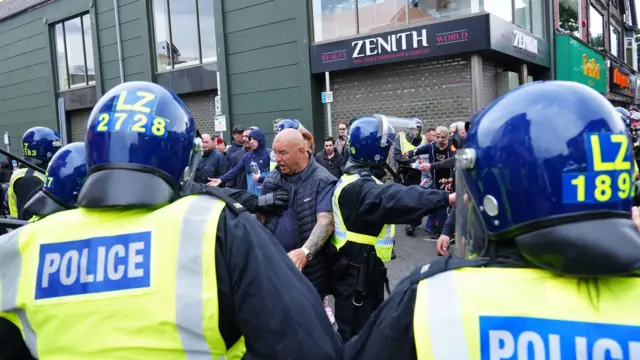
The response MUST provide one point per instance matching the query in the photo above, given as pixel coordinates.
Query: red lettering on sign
(334, 56)
(452, 37)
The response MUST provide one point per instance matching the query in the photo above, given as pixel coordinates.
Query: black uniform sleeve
(393, 203)
(397, 155)
(449, 227)
(12, 346)
(263, 297)
(389, 332)
(25, 188)
(449, 163)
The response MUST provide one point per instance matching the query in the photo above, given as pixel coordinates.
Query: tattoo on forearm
(320, 232)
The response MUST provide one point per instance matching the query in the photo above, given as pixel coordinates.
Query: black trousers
(353, 310)
(12, 346)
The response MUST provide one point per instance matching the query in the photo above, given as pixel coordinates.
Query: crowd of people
(160, 242)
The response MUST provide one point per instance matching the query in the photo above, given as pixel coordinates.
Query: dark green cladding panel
(136, 42)
(27, 85)
(265, 63)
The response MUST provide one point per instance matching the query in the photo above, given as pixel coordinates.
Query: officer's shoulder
(218, 194)
(443, 264)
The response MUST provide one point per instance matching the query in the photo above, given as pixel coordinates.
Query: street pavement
(411, 252)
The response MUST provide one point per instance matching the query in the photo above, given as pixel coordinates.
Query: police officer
(140, 272)
(405, 142)
(65, 176)
(364, 213)
(66, 173)
(39, 144)
(553, 253)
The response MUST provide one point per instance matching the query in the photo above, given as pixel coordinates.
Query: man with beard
(341, 146)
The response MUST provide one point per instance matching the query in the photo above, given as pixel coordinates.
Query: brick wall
(438, 92)
(202, 106)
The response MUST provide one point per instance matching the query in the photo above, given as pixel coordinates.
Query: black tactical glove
(274, 201)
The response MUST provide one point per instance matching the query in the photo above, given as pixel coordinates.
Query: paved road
(411, 252)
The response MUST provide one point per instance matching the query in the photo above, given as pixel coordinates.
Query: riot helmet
(548, 166)
(139, 133)
(39, 144)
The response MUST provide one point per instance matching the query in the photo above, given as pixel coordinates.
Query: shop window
(74, 53)
(615, 41)
(629, 44)
(334, 19)
(596, 29)
(427, 10)
(527, 14)
(501, 8)
(377, 16)
(569, 16)
(523, 14)
(184, 33)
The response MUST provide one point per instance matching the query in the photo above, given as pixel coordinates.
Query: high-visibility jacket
(406, 146)
(118, 284)
(383, 243)
(498, 313)
(13, 199)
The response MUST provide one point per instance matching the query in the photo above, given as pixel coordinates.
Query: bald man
(305, 226)
(213, 163)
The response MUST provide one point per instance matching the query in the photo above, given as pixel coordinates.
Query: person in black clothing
(236, 142)
(330, 159)
(213, 163)
(404, 142)
(341, 145)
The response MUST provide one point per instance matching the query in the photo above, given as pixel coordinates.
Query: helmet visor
(471, 234)
(400, 126)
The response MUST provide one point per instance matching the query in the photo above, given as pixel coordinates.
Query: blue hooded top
(259, 156)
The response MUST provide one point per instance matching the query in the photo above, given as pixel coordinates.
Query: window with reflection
(596, 29)
(425, 10)
(615, 41)
(74, 53)
(184, 33)
(538, 19)
(334, 19)
(569, 16)
(378, 16)
(523, 14)
(501, 8)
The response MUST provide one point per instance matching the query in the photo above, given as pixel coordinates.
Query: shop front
(439, 72)
(620, 85)
(577, 62)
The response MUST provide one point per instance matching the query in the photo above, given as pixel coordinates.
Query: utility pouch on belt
(362, 281)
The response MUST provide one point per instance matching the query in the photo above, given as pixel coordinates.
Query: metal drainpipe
(120, 60)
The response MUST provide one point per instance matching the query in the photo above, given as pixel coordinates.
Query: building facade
(58, 57)
(252, 61)
(595, 45)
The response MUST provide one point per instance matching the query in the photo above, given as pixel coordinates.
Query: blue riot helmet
(39, 144)
(141, 147)
(415, 129)
(625, 115)
(288, 124)
(66, 174)
(370, 139)
(549, 167)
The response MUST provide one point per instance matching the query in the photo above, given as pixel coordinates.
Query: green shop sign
(578, 62)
